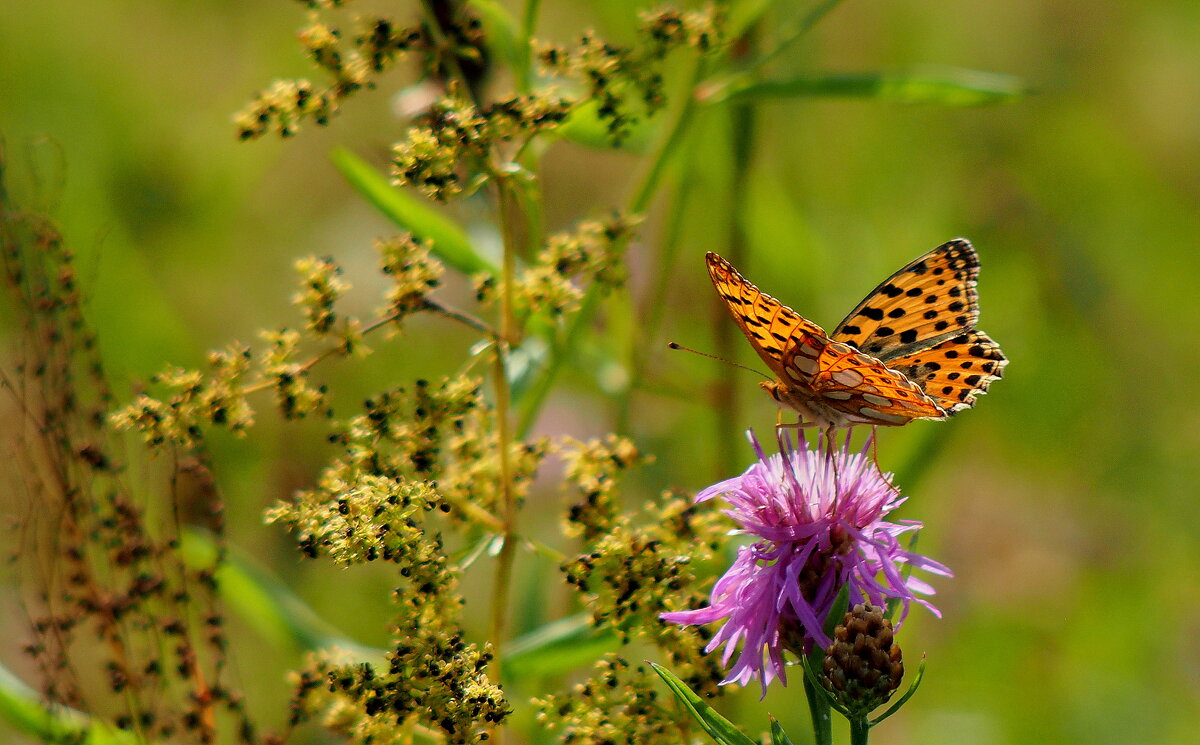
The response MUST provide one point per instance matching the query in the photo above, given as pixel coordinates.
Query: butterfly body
(910, 350)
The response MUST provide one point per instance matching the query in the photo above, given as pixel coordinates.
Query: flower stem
(525, 53)
(507, 207)
(860, 728)
(818, 708)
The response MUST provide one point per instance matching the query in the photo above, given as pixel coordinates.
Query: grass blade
(942, 87)
(557, 647)
(450, 242)
(266, 603)
(718, 727)
(778, 736)
(22, 708)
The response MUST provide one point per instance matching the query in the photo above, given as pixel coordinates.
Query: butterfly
(910, 350)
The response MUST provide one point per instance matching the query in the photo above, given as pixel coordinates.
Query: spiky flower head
(818, 516)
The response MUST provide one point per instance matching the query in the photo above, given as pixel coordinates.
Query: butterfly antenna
(674, 345)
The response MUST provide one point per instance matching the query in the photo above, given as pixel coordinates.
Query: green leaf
(266, 603)
(22, 708)
(585, 127)
(903, 699)
(470, 554)
(744, 14)
(718, 727)
(837, 612)
(500, 31)
(778, 736)
(534, 394)
(450, 242)
(557, 647)
(941, 87)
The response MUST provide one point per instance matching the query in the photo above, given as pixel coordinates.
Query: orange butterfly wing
(956, 371)
(769, 325)
(921, 322)
(866, 391)
(930, 300)
(811, 367)
(909, 350)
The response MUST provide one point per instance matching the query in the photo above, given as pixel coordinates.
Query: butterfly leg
(875, 457)
(829, 436)
(799, 424)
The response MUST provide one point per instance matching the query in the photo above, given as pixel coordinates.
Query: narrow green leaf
(22, 708)
(817, 694)
(744, 14)
(718, 727)
(585, 127)
(500, 31)
(534, 395)
(266, 603)
(557, 647)
(942, 87)
(903, 699)
(778, 736)
(450, 242)
(471, 553)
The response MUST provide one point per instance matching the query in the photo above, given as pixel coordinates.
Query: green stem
(528, 23)
(639, 202)
(507, 209)
(504, 562)
(653, 305)
(640, 199)
(742, 122)
(812, 19)
(860, 728)
(818, 709)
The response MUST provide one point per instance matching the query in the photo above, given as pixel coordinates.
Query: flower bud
(863, 665)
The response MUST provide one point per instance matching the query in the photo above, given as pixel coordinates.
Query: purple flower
(818, 515)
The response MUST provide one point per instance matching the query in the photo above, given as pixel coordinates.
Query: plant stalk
(501, 587)
(818, 709)
(860, 729)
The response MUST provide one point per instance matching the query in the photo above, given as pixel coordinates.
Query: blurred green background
(1065, 502)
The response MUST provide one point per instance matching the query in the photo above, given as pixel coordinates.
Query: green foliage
(446, 239)
(718, 727)
(1080, 198)
(938, 88)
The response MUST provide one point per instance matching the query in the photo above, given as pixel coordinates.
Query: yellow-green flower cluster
(592, 469)
(594, 252)
(618, 705)
(195, 399)
(413, 271)
(627, 82)
(668, 28)
(294, 396)
(217, 396)
(434, 684)
(377, 43)
(454, 138)
(629, 573)
(406, 461)
(321, 287)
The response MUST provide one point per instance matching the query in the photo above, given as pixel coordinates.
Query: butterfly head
(775, 390)
(804, 405)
